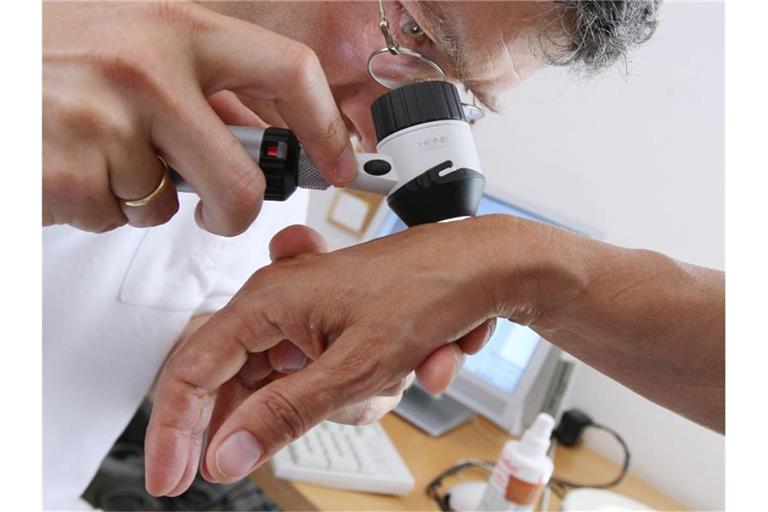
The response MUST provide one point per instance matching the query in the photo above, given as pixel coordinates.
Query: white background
(638, 156)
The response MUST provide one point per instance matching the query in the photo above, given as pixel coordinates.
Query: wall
(639, 157)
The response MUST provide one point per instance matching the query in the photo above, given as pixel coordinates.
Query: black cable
(561, 485)
(433, 488)
(557, 489)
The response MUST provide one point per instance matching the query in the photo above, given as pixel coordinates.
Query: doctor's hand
(260, 369)
(124, 83)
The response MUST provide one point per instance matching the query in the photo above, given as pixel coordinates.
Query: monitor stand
(435, 415)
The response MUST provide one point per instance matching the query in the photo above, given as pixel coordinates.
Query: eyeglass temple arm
(392, 45)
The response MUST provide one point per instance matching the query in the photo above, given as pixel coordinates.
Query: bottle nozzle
(542, 426)
(535, 439)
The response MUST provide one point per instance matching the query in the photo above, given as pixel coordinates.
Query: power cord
(568, 433)
(433, 489)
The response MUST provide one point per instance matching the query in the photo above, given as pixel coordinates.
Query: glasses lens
(409, 67)
(473, 112)
(397, 70)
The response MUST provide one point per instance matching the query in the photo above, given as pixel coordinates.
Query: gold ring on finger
(136, 203)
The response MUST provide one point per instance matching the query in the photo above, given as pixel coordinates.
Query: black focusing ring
(415, 104)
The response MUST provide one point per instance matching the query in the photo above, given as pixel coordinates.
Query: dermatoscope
(426, 163)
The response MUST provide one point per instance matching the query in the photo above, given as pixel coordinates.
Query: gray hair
(591, 35)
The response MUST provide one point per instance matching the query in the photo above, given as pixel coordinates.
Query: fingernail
(460, 358)
(199, 216)
(489, 332)
(346, 165)
(292, 360)
(206, 474)
(238, 454)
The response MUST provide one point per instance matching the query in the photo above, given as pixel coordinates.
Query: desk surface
(428, 456)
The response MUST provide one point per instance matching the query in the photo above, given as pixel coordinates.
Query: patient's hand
(172, 463)
(259, 370)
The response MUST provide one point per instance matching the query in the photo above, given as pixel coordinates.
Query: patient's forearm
(652, 323)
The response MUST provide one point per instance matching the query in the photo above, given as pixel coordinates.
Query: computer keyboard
(345, 457)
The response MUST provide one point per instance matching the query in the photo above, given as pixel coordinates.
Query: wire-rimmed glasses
(395, 65)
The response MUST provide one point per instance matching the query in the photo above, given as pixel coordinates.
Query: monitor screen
(504, 359)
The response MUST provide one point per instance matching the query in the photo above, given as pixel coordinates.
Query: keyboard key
(363, 455)
(311, 460)
(345, 457)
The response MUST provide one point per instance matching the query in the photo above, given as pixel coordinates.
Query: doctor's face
(486, 46)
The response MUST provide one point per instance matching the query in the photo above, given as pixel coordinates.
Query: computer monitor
(497, 381)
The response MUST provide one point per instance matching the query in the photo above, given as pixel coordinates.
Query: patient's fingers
(295, 240)
(229, 397)
(372, 409)
(289, 242)
(174, 432)
(283, 357)
(187, 385)
(286, 357)
(397, 389)
(286, 408)
(255, 369)
(472, 342)
(367, 411)
(437, 371)
(188, 476)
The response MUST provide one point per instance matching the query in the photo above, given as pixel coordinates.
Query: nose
(355, 104)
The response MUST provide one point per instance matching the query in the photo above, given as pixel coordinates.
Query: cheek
(350, 35)
(344, 63)
(346, 52)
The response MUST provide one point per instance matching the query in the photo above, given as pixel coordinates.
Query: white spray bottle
(522, 471)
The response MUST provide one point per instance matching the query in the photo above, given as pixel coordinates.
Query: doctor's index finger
(255, 62)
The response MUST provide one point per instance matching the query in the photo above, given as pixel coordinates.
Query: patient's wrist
(533, 268)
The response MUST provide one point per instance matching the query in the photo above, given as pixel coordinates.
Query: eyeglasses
(394, 66)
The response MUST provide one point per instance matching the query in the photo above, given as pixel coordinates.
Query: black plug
(571, 426)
